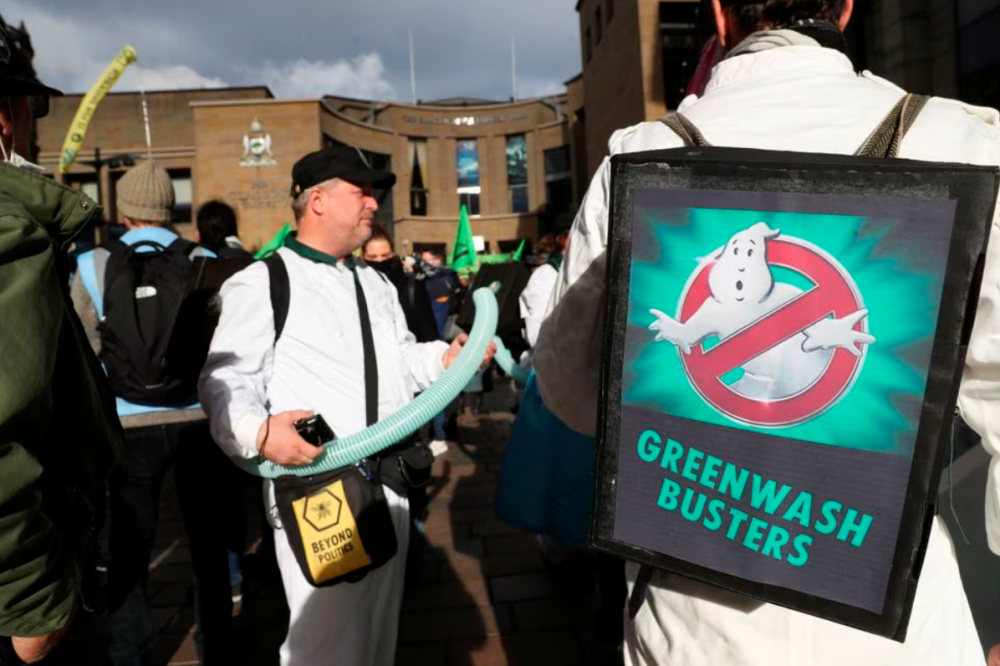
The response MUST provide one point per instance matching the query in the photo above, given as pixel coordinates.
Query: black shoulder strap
(368, 344)
(411, 292)
(114, 245)
(685, 129)
(184, 246)
(280, 292)
(887, 138)
(639, 590)
(102, 260)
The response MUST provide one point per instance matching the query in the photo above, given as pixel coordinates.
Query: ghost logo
(322, 510)
(797, 353)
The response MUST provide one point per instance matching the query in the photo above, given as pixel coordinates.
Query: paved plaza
(478, 592)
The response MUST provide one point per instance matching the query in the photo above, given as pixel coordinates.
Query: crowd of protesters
(152, 354)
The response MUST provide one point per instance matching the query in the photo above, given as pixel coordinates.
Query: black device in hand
(314, 430)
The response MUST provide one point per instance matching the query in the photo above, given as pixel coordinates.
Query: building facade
(509, 163)
(520, 167)
(638, 55)
(117, 139)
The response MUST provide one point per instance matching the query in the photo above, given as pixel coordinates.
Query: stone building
(508, 162)
(638, 56)
(520, 167)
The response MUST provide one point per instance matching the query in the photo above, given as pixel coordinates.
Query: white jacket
(534, 301)
(317, 363)
(809, 99)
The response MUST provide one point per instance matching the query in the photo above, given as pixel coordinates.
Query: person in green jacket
(59, 433)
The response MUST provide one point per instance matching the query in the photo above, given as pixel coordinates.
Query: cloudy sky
(306, 48)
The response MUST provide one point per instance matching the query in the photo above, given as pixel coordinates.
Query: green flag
(276, 242)
(463, 254)
(494, 258)
(520, 251)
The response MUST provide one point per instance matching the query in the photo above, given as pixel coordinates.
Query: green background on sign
(898, 285)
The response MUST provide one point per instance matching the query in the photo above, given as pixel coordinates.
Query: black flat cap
(337, 162)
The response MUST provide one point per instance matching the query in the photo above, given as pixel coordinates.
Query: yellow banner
(78, 129)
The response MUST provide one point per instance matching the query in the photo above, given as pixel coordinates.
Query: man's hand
(995, 656)
(456, 348)
(279, 442)
(32, 650)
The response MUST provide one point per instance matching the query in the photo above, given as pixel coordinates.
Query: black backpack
(507, 281)
(202, 307)
(151, 342)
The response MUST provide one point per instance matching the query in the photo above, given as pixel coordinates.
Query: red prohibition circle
(833, 293)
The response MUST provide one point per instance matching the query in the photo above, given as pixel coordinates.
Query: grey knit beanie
(145, 193)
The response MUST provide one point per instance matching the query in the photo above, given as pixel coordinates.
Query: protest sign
(782, 358)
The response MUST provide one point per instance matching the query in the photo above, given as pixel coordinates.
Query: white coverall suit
(802, 98)
(318, 365)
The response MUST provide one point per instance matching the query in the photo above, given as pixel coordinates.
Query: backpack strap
(92, 267)
(685, 129)
(280, 291)
(887, 138)
(115, 262)
(638, 597)
(884, 142)
(185, 246)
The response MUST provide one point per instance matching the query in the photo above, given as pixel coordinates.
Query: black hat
(16, 78)
(337, 162)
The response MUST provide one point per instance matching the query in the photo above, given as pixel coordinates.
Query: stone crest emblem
(257, 147)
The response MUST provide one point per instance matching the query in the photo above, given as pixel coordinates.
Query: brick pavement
(478, 592)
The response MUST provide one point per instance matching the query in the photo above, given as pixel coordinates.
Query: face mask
(21, 163)
(391, 268)
(13, 158)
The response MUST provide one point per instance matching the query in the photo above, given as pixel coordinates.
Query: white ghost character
(743, 292)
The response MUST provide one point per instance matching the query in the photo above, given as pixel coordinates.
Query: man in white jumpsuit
(254, 390)
(783, 90)
(534, 300)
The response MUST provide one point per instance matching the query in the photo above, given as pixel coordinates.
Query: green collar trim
(312, 254)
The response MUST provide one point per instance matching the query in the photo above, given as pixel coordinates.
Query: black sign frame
(975, 191)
